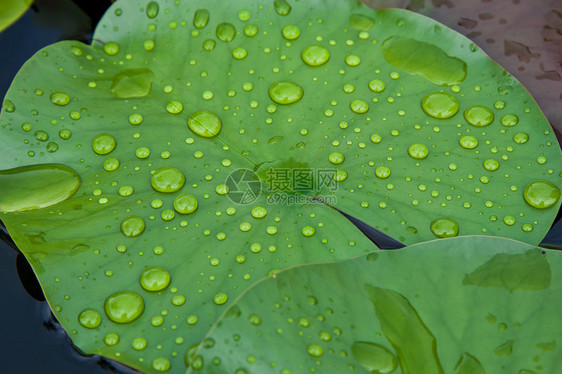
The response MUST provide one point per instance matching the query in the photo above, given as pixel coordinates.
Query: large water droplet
(374, 357)
(284, 92)
(37, 186)
(315, 55)
(124, 307)
(204, 124)
(510, 120)
(201, 18)
(315, 350)
(152, 9)
(167, 180)
(89, 318)
(440, 105)
(336, 158)
(103, 144)
(382, 172)
(291, 32)
(220, 298)
(479, 116)
(155, 279)
(132, 83)
(226, 32)
(444, 228)
(541, 194)
(132, 226)
(161, 364)
(60, 98)
(468, 142)
(424, 59)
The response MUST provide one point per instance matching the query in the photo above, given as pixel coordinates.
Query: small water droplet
(468, 142)
(315, 55)
(509, 120)
(132, 226)
(161, 364)
(521, 138)
(89, 318)
(124, 307)
(9, 106)
(376, 85)
(491, 164)
(154, 279)
(284, 92)
(359, 106)
(204, 123)
(111, 48)
(220, 298)
(152, 9)
(60, 98)
(440, 105)
(361, 22)
(167, 180)
(418, 151)
(239, 53)
(225, 32)
(541, 194)
(308, 231)
(291, 32)
(336, 158)
(315, 350)
(444, 228)
(201, 18)
(111, 339)
(382, 172)
(479, 116)
(103, 144)
(282, 7)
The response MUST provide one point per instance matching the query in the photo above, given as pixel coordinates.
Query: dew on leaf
(89, 318)
(291, 32)
(382, 172)
(440, 105)
(361, 22)
(43, 186)
(154, 279)
(201, 18)
(152, 9)
(225, 32)
(315, 55)
(111, 48)
(185, 204)
(315, 350)
(377, 85)
(111, 339)
(284, 92)
(479, 116)
(205, 124)
(124, 307)
(132, 226)
(541, 194)
(509, 120)
(220, 298)
(167, 180)
(60, 98)
(161, 364)
(103, 144)
(418, 151)
(444, 228)
(336, 158)
(132, 83)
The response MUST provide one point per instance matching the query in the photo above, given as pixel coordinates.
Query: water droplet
(284, 92)
(174, 107)
(209, 45)
(376, 138)
(201, 18)
(468, 142)
(308, 231)
(124, 307)
(374, 357)
(259, 212)
(226, 32)
(282, 7)
(154, 279)
(8, 106)
(152, 9)
(111, 48)
(541, 194)
(340, 175)
(132, 83)
(425, 60)
(139, 344)
(440, 105)
(239, 53)
(510, 120)
(361, 22)
(352, 60)
(185, 204)
(41, 136)
(382, 172)
(132, 226)
(161, 364)
(111, 164)
(220, 298)
(103, 144)
(479, 116)
(291, 32)
(521, 138)
(205, 124)
(89, 318)
(36, 187)
(111, 339)
(491, 164)
(314, 350)
(359, 106)
(167, 180)
(315, 55)
(468, 364)
(418, 151)
(60, 98)
(376, 85)
(336, 158)
(505, 350)
(444, 228)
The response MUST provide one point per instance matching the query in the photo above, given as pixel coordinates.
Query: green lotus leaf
(468, 305)
(150, 178)
(12, 10)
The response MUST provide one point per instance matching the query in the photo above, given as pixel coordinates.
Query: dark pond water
(31, 340)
